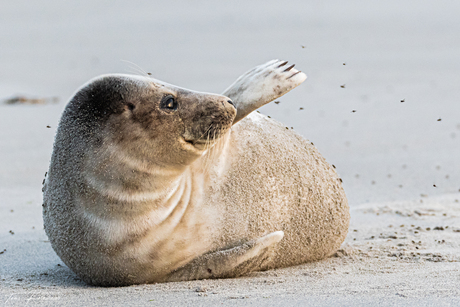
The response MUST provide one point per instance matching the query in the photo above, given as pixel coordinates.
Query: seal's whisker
(219, 144)
(212, 148)
(208, 150)
(209, 128)
(137, 69)
(205, 157)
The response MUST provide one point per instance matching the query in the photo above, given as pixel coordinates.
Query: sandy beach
(380, 103)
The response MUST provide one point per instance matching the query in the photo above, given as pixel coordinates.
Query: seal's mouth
(199, 144)
(204, 138)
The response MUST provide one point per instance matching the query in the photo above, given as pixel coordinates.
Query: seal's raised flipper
(261, 85)
(222, 263)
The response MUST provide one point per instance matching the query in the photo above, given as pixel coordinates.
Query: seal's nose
(231, 102)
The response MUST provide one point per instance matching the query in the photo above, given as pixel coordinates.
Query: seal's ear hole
(168, 103)
(131, 106)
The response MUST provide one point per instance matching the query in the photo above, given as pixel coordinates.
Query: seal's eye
(169, 103)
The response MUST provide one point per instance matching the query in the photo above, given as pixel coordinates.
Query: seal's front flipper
(261, 85)
(224, 262)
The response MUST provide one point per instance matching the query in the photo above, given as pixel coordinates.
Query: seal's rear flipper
(223, 263)
(261, 85)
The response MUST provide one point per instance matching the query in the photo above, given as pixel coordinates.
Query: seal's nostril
(230, 102)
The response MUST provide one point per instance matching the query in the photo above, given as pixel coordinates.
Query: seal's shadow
(61, 275)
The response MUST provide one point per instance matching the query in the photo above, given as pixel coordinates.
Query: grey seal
(149, 182)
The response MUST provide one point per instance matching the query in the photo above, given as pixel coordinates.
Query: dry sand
(397, 153)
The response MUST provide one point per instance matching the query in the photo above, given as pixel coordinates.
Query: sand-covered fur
(150, 182)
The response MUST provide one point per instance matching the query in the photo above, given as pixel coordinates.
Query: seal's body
(149, 182)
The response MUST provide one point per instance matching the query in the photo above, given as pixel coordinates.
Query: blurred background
(381, 102)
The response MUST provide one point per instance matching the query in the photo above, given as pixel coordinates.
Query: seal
(149, 182)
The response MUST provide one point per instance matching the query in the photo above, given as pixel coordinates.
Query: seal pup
(149, 182)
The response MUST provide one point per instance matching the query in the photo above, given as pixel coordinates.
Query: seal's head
(150, 121)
